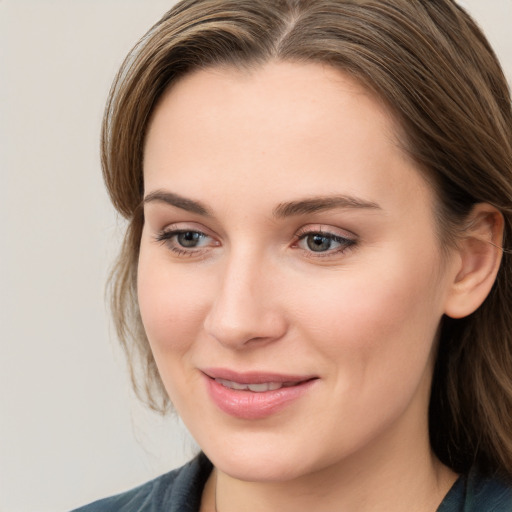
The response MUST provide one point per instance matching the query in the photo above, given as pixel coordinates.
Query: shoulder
(477, 493)
(493, 493)
(178, 490)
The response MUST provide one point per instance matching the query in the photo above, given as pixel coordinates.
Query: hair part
(432, 65)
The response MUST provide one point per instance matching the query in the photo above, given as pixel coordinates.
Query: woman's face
(290, 280)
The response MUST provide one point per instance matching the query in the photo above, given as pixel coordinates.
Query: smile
(255, 388)
(255, 395)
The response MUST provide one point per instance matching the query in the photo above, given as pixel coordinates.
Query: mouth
(256, 387)
(255, 395)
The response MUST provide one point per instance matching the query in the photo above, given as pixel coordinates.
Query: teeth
(236, 385)
(266, 386)
(256, 388)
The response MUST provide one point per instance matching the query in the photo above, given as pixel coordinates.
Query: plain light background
(70, 429)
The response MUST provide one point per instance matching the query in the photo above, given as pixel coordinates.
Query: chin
(255, 469)
(266, 459)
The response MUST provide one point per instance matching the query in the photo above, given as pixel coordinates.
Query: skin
(361, 317)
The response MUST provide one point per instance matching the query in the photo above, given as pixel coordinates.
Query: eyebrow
(161, 196)
(283, 210)
(318, 204)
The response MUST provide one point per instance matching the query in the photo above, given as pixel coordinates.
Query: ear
(478, 252)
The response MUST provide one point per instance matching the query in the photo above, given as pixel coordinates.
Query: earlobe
(479, 254)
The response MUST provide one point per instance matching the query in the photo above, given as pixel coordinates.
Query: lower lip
(249, 405)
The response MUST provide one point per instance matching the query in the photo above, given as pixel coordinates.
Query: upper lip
(254, 377)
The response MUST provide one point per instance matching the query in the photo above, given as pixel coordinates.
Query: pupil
(188, 239)
(318, 243)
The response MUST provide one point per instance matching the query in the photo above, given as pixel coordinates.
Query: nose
(245, 311)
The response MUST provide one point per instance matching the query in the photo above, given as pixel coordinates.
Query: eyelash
(167, 236)
(345, 242)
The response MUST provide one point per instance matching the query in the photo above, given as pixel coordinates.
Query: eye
(323, 242)
(185, 241)
(189, 238)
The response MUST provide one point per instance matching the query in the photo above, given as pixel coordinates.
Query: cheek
(172, 305)
(379, 317)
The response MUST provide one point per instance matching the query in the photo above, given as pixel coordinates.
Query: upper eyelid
(326, 231)
(180, 227)
(169, 232)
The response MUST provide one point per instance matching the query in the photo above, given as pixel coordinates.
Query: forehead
(305, 128)
(261, 95)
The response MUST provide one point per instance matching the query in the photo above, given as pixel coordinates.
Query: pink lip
(246, 404)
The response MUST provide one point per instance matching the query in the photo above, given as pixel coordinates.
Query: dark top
(181, 489)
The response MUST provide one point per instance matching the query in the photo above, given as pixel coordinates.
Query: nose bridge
(243, 310)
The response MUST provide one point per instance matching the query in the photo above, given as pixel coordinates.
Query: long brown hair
(433, 66)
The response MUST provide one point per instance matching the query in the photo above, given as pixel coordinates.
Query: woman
(318, 194)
